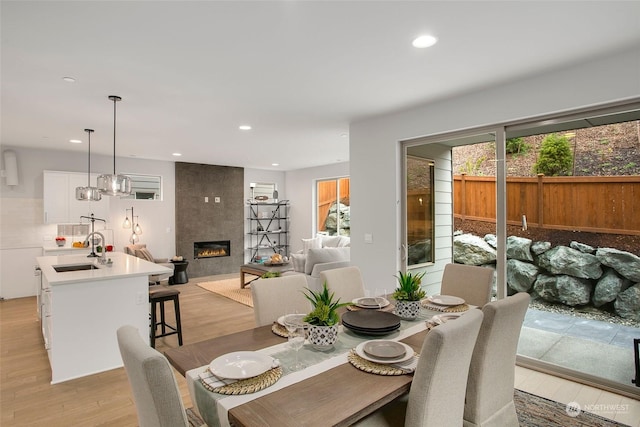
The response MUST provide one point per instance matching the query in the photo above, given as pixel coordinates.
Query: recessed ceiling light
(244, 127)
(275, 164)
(176, 154)
(75, 141)
(424, 41)
(69, 79)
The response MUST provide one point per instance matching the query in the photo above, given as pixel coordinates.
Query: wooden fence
(327, 195)
(599, 204)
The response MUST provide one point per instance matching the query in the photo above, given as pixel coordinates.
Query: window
(145, 187)
(419, 224)
(332, 207)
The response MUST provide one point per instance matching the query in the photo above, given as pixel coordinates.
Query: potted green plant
(408, 294)
(323, 319)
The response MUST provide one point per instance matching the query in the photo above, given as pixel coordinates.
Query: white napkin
(434, 321)
(214, 382)
(408, 365)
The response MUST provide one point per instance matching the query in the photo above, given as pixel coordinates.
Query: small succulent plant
(409, 288)
(324, 307)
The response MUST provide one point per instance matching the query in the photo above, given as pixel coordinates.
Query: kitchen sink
(74, 267)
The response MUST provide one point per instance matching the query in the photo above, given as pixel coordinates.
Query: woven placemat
(249, 385)
(372, 367)
(279, 330)
(388, 308)
(445, 309)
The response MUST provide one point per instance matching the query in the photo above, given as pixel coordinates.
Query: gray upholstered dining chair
(436, 397)
(489, 397)
(273, 297)
(155, 389)
(346, 283)
(470, 282)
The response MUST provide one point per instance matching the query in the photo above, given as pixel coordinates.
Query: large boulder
(492, 240)
(627, 304)
(564, 260)
(472, 250)
(582, 247)
(564, 289)
(521, 275)
(625, 263)
(540, 247)
(417, 252)
(608, 287)
(519, 248)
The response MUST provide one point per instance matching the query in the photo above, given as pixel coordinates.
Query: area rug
(535, 411)
(229, 288)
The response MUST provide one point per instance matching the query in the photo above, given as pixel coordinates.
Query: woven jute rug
(533, 411)
(229, 288)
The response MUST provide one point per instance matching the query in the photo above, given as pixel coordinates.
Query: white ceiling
(299, 72)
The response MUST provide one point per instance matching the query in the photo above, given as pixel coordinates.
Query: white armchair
(141, 251)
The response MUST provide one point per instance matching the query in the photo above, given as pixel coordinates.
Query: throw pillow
(345, 242)
(330, 241)
(314, 243)
(298, 262)
(322, 255)
(144, 254)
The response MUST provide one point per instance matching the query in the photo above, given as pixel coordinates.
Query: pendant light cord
(115, 99)
(88, 131)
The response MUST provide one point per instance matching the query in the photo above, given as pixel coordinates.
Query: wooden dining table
(338, 397)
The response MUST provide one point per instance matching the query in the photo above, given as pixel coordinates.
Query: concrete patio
(594, 347)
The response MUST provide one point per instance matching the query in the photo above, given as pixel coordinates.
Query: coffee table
(256, 269)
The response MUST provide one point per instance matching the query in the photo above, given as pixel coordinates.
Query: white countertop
(66, 248)
(123, 266)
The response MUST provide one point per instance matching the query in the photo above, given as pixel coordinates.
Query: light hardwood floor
(28, 399)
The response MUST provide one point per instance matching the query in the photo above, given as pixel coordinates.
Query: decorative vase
(323, 337)
(408, 309)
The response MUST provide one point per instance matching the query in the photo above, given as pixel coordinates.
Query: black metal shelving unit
(268, 229)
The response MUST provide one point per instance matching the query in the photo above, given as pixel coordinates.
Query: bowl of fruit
(61, 241)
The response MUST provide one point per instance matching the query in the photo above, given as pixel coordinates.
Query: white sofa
(319, 254)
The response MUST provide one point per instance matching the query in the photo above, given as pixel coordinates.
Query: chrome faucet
(102, 242)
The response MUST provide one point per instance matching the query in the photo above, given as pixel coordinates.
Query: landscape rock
(519, 248)
(540, 247)
(472, 250)
(625, 263)
(521, 275)
(331, 223)
(564, 289)
(582, 247)
(492, 240)
(627, 304)
(608, 287)
(417, 253)
(564, 260)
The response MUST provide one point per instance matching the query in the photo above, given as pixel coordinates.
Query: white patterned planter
(408, 309)
(323, 337)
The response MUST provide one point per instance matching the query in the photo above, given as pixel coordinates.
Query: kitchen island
(83, 304)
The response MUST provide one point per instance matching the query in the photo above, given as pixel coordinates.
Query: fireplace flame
(205, 253)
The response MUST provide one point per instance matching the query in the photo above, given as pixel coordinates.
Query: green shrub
(555, 156)
(517, 146)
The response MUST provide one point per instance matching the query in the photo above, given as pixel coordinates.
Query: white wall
(375, 153)
(300, 186)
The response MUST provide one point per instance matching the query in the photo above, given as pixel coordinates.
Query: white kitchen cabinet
(59, 194)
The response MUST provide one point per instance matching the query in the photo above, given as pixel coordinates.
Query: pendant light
(137, 230)
(88, 193)
(114, 185)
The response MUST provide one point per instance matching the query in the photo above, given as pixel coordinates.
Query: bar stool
(159, 296)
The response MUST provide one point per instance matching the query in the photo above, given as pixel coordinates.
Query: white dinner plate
(241, 364)
(298, 318)
(370, 302)
(407, 355)
(445, 300)
(447, 316)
